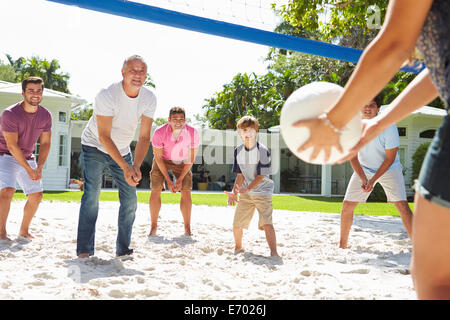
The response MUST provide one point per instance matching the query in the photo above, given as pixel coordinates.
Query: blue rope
(176, 19)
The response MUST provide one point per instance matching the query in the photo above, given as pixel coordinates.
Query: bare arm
(44, 148)
(157, 154)
(390, 157)
(359, 170)
(253, 184)
(12, 139)
(238, 183)
(377, 65)
(142, 145)
(186, 167)
(104, 124)
(417, 94)
(383, 57)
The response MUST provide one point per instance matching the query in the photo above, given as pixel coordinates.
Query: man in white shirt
(106, 141)
(379, 162)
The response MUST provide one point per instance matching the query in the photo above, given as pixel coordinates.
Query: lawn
(284, 202)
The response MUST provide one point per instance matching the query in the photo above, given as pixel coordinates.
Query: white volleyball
(308, 102)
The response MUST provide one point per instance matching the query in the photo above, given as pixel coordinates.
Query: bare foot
(83, 255)
(4, 237)
(153, 231)
(238, 250)
(274, 254)
(26, 235)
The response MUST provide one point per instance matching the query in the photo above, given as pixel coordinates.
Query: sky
(187, 67)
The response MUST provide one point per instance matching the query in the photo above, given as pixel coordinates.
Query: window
(402, 155)
(62, 116)
(428, 134)
(37, 146)
(62, 154)
(402, 131)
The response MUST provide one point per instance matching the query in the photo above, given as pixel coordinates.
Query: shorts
(246, 208)
(434, 177)
(157, 178)
(392, 182)
(11, 172)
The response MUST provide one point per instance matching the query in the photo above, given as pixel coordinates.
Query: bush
(378, 194)
(418, 158)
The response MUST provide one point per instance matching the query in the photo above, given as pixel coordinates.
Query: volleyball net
(177, 19)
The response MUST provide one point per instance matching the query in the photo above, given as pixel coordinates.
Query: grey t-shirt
(251, 163)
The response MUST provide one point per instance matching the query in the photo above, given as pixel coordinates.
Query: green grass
(284, 202)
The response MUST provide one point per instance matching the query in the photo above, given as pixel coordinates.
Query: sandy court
(204, 266)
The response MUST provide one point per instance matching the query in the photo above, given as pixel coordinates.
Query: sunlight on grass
(283, 202)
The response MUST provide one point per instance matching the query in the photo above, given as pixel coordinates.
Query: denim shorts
(434, 178)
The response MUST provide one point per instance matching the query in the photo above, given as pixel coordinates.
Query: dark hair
(37, 80)
(378, 100)
(248, 122)
(175, 110)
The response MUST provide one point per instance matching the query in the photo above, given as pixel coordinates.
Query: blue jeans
(94, 163)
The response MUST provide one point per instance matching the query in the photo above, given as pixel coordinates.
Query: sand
(172, 266)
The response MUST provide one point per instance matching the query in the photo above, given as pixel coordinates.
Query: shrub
(418, 158)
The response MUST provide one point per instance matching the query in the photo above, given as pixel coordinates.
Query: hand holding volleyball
(308, 133)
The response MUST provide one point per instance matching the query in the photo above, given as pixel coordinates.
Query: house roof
(16, 88)
(425, 110)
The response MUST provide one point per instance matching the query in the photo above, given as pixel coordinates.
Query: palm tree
(47, 70)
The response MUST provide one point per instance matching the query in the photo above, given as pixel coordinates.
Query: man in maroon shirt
(21, 125)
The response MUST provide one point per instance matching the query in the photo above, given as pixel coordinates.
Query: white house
(419, 127)
(289, 173)
(56, 173)
(300, 177)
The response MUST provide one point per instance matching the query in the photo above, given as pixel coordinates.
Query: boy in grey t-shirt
(255, 188)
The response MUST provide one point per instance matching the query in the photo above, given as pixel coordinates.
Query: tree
(334, 19)
(160, 121)
(47, 70)
(7, 73)
(149, 81)
(82, 112)
(254, 95)
(418, 157)
(263, 96)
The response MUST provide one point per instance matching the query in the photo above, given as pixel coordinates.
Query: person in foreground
(175, 146)
(255, 188)
(377, 162)
(424, 23)
(21, 126)
(106, 143)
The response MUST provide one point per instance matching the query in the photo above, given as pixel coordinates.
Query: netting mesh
(250, 13)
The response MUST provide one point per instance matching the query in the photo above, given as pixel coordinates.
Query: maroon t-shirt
(28, 126)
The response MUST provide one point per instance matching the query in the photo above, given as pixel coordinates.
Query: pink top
(176, 150)
(28, 127)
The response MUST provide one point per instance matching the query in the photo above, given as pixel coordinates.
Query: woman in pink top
(175, 146)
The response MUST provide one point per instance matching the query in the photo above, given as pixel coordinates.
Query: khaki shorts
(157, 178)
(392, 182)
(246, 208)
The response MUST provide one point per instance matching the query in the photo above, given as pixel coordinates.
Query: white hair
(132, 58)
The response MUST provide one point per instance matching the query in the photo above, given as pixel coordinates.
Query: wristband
(324, 116)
